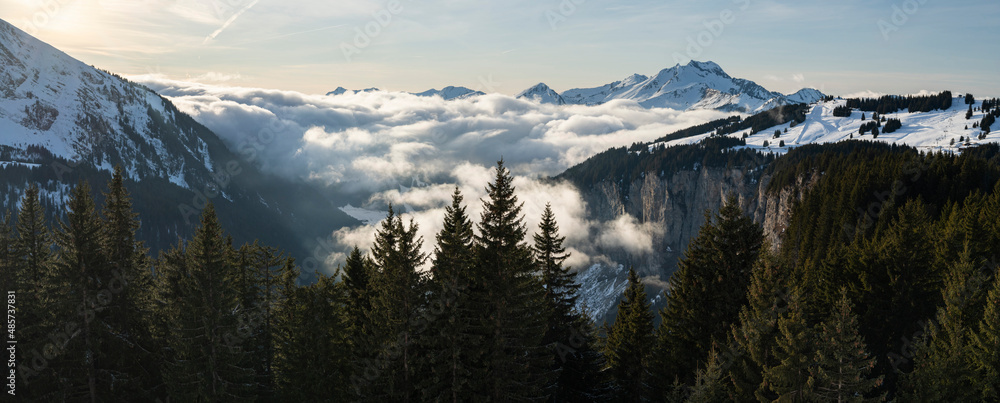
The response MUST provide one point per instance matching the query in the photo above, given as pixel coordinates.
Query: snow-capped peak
(695, 85)
(338, 91)
(543, 94)
(805, 96)
(450, 92)
(342, 90)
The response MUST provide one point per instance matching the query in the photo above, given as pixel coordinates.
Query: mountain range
(696, 85)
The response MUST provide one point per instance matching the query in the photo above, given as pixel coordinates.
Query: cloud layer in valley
(389, 147)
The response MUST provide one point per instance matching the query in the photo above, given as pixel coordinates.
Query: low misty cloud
(389, 147)
(369, 141)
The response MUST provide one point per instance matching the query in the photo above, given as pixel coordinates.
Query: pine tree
(710, 383)
(629, 344)
(312, 340)
(33, 260)
(399, 294)
(205, 361)
(707, 291)
(968, 114)
(942, 357)
(985, 346)
(359, 277)
(575, 359)
(514, 315)
(789, 379)
(77, 285)
(842, 364)
(131, 349)
(900, 285)
(450, 336)
(260, 289)
(755, 335)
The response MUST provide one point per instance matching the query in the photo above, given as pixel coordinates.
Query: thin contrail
(229, 22)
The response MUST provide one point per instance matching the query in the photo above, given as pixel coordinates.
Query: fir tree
(312, 340)
(707, 291)
(755, 335)
(132, 347)
(942, 368)
(205, 360)
(575, 359)
(515, 361)
(710, 383)
(257, 282)
(399, 294)
(77, 285)
(985, 346)
(33, 261)
(789, 379)
(450, 333)
(359, 277)
(842, 364)
(629, 344)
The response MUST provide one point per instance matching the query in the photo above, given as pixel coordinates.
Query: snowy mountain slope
(805, 96)
(541, 93)
(667, 201)
(604, 93)
(62, 122)
(927, 131)
(696, 85)
(450, 92)
(85, 115)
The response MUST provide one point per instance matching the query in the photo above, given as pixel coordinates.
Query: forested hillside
(885, 287)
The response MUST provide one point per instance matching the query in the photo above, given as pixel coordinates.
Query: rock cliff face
(675, 206)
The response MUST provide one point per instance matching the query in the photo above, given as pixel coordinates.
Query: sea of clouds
(393, 147)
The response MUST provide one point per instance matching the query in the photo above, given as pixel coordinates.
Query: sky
(314, 46)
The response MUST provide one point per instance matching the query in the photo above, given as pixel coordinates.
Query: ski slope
(927, 131)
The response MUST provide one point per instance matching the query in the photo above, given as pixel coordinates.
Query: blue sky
(313, 46)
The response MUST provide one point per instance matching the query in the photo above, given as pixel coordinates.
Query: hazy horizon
(312, 47)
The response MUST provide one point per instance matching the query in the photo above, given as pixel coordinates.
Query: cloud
(626, 232)
(864, 94)
(368, 142)
(377, 148)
